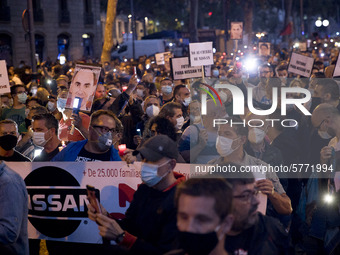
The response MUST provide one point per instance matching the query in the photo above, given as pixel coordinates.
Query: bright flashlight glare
(328, 198)
(250, 64)
(37, 152)
(49, 81)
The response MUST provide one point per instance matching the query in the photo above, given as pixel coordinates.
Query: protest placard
(4, 82)
(180, 69)
(83, 86)
(57, 208)
(337, 68)
(201, 54)
(300, 64)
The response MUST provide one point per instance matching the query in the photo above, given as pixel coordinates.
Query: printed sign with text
(182, 70)
(4, 82)
(201, 54)
(300, 65)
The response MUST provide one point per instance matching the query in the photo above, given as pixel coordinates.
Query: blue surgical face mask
(61, 103)
(215, 73)
(166, 90)
(149, 173)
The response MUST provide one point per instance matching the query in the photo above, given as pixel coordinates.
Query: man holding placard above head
(83, 85)
(236, 30)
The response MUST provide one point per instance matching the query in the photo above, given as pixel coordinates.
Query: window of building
(64, 14)
(5, 14)
(88, 45)
(88, 14)
(63, 44)
(38, 14)
(39, 46)
(6, 52)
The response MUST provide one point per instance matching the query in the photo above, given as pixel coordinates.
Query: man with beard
(252, 232)
(203, 216)
(259, 92)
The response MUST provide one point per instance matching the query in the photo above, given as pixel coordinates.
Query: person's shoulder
(272, 225)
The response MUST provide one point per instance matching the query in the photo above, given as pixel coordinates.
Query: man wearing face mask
(252, 232)
(151, 109)
(282, 73)
(150, 223)
(203, 216)
(8, 140)
(230, 146)
(173, 112)
(259, 147)
(166, 89)
(17, 111)
(326, 119)
(45, 134)
(183, 97)
(100, 144)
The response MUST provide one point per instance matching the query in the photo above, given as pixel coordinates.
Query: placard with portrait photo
(236, 30)
(264, 49)
(83, 85)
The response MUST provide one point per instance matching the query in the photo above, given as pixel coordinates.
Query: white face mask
(324, 135)
(140, 92)
(39, 139)
(152, 111)
(180, 122)
(187, 101)
(51, 106)
(149, 174)
(223, 146)
(256, 135)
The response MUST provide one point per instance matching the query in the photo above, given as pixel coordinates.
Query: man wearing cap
(150, 223)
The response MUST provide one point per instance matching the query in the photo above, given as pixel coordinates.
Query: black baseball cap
(158, 147)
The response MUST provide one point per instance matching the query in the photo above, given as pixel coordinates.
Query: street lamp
(318, 23)
(325, 22)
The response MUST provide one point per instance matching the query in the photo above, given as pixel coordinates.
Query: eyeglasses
(105, 130)
(318, 127)
(247, 196)
(21, 92)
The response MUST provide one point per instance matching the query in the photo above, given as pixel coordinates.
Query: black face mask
(8, 142)
(197, 244)
(28, 123)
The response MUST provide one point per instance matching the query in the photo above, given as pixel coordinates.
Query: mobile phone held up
(77, 104)
(91, 196)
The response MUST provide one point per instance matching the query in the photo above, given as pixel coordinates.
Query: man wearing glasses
(252, 232)
(103, 134)
(259, 92)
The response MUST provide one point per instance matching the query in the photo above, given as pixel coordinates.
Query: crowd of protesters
(137, 103)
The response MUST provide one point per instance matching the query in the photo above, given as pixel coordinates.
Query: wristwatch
(120, 238)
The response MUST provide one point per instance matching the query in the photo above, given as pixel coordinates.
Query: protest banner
(4, 82)
(83, 86)
(201, 54)
(58, 197)
(180, 69)
(300, 64)
(264, 49)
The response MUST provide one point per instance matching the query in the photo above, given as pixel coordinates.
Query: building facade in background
(69, 27)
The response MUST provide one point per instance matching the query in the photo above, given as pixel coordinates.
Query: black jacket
(151, 217)
(267, 237)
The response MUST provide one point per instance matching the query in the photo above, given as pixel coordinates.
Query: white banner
(201, 54)
(57, 195)
(301, 65)
(161, 58)
(4, 82)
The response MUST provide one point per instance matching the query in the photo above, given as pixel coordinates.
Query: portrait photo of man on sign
(236, 30)
(83, 86)
(264, 49)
